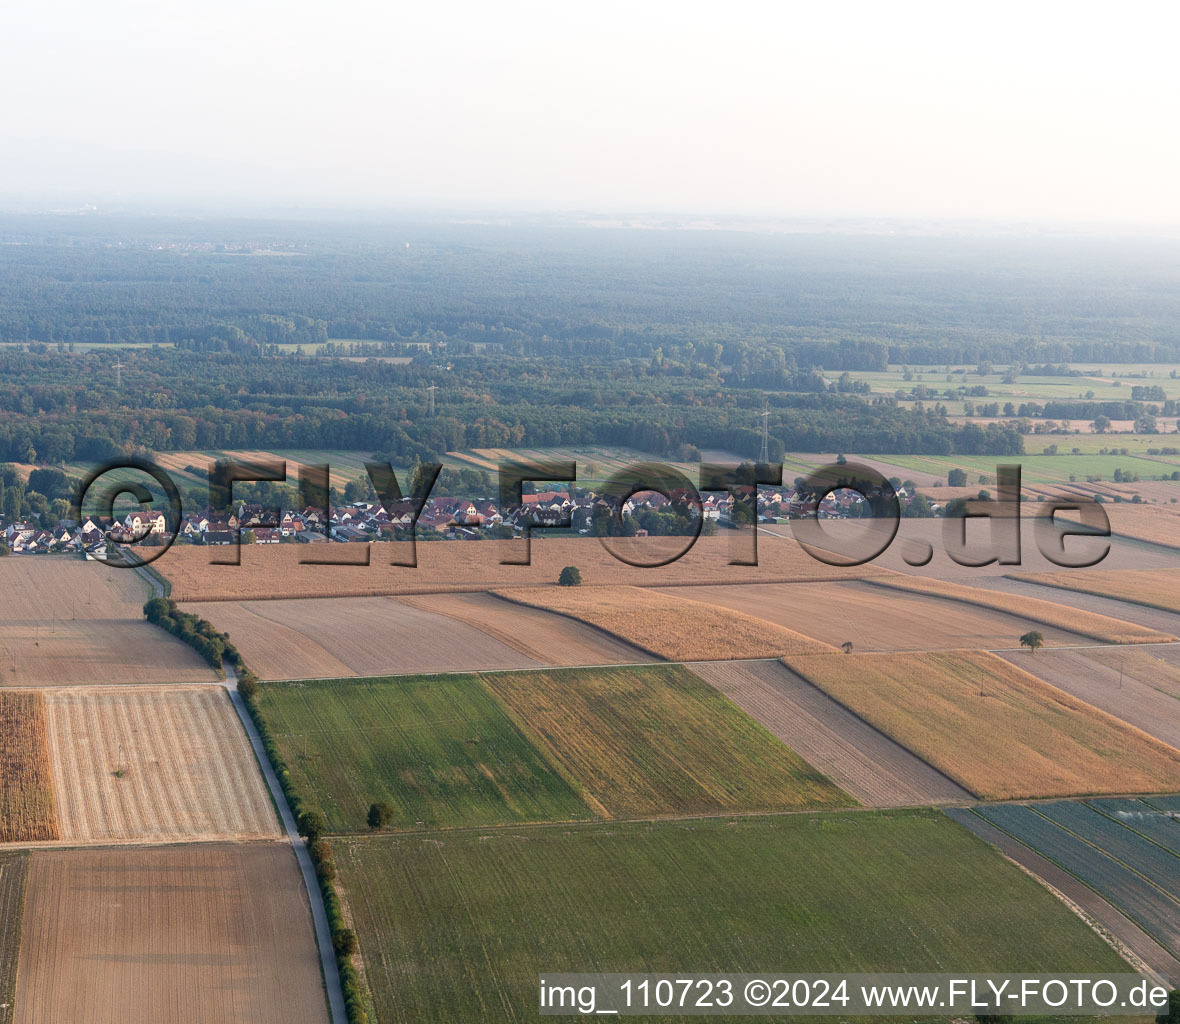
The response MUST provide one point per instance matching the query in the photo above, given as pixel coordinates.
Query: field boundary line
(319, 913)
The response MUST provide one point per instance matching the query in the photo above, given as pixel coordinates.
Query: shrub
(571, 576)
(344, 942)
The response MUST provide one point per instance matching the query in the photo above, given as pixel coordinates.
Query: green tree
(1172, 1014)
(1033, 640)
(380, 815)
(344, 942)
(312, 825)
(571, 576)
(956, 478)
(1101, 424)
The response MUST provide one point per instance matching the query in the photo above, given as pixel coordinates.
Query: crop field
(1037, 468)
(838, 892)
(27, 811)
(14, 868)
(1134, 684)
(859, 759)
(996, 730)
(658, 740)
(69, 621)
(1035, 611)
(154, 764)
(1140, 816)
(870, 618)
(669, 626)
(274, 571)
(1155, 588)
(356, 636)
(196, 934)
(546, 638)
(1152, 908)
(440, 750)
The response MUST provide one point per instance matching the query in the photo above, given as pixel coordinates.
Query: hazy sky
(991, 111)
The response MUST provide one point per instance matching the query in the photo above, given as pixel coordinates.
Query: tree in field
(380, 815)
(312, 825)
(956, 478)
(571, 576)
(1101, 424)
(1032, 640)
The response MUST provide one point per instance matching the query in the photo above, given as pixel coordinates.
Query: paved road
(319, 914)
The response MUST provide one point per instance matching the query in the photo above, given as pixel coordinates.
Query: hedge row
(311, 825)
(215, 646)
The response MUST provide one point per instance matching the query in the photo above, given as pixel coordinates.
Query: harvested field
(657, 740)
(1153, 909)
(355, 636)
(154, 764)
(274, 571)
(872, 619)
(668, 626)
(859, 759)
(1134, 684)
(1088, 624)
(439, 750)
(74, 622)
(442, 919)
(996, 730)
(546, 638)
(27, 811)
(1155, 588)
(14, 867)
(196, 934)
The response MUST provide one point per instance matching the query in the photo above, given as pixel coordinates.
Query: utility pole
(118, 373)
(430, 399)
(764, 454)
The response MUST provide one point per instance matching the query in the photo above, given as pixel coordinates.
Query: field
(440, 750)
(156, 764)
(1138, 815)
(1035, 611)
(850, 892)
(27, 811)
(1155, 588)
(198, 934)
(1134, 684)
(358, 636)
(1090, 860)
(667, 626)
(546, 638)
(658, 740)
(872, 619)
(13, 872)
(996, 730)
(863, 762)
(271, 571)
(69, 621)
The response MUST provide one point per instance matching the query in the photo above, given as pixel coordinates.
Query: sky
(1007, 112)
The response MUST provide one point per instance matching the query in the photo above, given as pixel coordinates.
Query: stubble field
(669, 626)
(836, 892)
(1155, 588)
(27, 809)
(996, 730)
(155, 764)
(196, 934)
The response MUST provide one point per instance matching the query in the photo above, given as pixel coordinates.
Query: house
(221, 537)
(266, 535)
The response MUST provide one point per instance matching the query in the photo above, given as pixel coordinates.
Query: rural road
(319, 914)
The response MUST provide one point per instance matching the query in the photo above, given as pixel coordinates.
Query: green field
(438, 749)
(458, 927)
(1043, 469)
(14, 869)
(657, 740)
(511, 747)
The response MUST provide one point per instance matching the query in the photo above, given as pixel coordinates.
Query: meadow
(996, 730)
(863, 891)
(439, 750)
(27, 809)
(667, 625)
(658, 740)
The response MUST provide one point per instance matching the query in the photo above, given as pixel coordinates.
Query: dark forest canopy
(663, 341)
